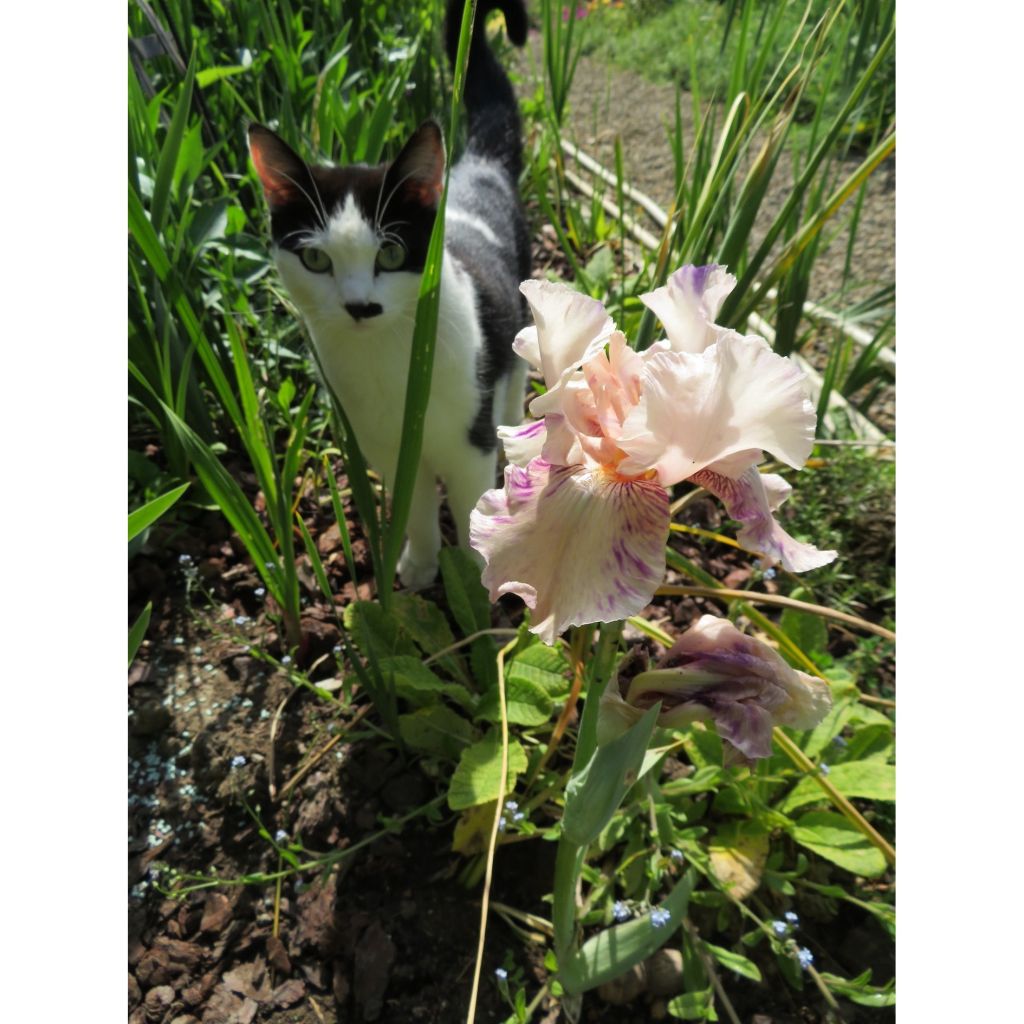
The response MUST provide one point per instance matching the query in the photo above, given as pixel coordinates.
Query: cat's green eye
(316, 260)
(391, 256)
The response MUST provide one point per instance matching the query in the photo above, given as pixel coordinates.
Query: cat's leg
(515, 389)
(466, 481)
(417, 568)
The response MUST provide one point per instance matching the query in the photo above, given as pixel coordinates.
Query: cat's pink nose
(364, 310)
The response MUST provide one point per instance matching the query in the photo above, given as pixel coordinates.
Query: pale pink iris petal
(527, 345)
(577, 546)
(689, 303)
(613, 380)
(697, 409)
(524, 442)
(569, 326)
(748, 501)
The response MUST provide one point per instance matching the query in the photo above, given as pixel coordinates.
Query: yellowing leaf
(738, 858)
(473, 829)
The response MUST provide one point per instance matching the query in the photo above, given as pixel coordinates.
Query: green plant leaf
(526, 703)
(831, 836)
(693, 1005)
(478, 774)
(735, 962)
(808, 632)
(169, 151)
(467, 597)
(595, 791)
(614, 950)
(423, 621)
(138, 632)
(872, 780)
(415, 682)
(873, 742)
(152, 511)
(436, 730)
(546, 667)
(859, 992)
(210, 75)
(376, 633)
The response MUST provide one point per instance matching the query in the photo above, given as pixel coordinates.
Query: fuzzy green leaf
(544, 666)
(526, 703)
(436, 730)
(478, 775)
(872, 780)
(466, 595)
(415, 682)
(831, 836)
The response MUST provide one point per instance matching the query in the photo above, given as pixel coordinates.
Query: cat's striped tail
(494, 127)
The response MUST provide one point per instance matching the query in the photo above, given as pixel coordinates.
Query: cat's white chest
(367, 367)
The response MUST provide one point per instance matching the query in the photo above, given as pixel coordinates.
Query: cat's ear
(417, 173)
(282, 171)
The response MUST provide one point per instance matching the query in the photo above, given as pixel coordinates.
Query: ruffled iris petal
(524, 442)
(570, 326)
(577, 546)
(688, 304)
(736, 396)
(747, 501)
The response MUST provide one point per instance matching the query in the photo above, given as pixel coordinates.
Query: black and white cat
(350, 244)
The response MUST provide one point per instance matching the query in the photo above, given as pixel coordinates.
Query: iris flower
(578, 531)
(715, 673)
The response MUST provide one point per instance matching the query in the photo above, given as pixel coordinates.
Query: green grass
(704, 38)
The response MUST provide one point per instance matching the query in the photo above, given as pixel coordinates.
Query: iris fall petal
(577, 546)
(750, 499)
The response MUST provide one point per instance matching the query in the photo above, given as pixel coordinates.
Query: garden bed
(238, 767)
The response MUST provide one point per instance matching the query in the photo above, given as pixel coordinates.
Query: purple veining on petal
(698, 276)
(747, 502)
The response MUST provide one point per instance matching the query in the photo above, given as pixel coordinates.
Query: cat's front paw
(415, 575)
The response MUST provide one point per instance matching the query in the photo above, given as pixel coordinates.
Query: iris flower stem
(569, 858)
(568, 863)
(777, 599)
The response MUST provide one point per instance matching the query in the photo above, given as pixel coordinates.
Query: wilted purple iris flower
(579, 529)
(715, 673)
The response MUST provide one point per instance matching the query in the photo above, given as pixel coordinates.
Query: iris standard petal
(736, 396)
(577, 546)
(688, 304)
(569, 327)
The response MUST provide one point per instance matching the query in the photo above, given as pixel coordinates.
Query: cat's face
(351, 242)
